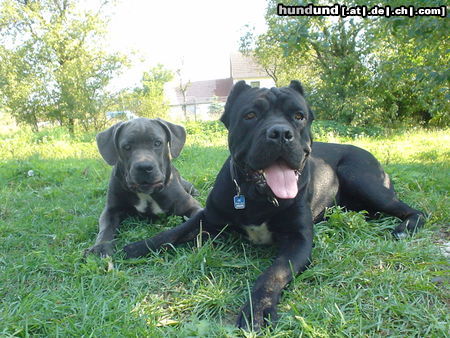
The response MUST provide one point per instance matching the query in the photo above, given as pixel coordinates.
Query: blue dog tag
(239, 202)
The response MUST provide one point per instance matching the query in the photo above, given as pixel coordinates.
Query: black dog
(276, 184)
(143, 181)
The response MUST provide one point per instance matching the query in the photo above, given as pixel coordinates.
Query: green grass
(361, 283)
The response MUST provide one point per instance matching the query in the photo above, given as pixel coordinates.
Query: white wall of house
(198, 112)
(263, 82)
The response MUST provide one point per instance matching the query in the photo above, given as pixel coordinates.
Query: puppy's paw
(104, 249)
(194, 192)
(257, 314)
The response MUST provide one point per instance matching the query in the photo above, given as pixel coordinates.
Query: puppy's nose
(144, 166)
(280, 133)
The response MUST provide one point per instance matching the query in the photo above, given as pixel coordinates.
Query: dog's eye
(157, 143)
(299, 116)
(250, 115)
(126, 147)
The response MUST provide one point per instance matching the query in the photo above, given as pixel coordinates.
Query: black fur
(330, 174)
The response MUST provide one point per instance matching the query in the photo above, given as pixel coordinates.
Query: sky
(196, 36)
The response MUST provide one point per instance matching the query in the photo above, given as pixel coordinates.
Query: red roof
(205, 91)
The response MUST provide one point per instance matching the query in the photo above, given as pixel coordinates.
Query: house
(204, 100)
(246, 68)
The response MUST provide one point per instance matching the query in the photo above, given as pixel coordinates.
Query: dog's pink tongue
(282, 180)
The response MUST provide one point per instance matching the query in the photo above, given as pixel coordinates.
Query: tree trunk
(71, 126)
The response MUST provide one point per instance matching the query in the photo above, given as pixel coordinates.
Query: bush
(324, 128)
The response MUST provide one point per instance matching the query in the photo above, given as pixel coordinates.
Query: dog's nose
(144, 166)
(280, 133)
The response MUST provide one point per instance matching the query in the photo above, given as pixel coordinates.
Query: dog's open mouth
(282, 180)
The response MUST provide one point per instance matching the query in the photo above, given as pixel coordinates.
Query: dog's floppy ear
(297, 86)
(311, 114)
(176, 135)
(237, 89)
(106, 143)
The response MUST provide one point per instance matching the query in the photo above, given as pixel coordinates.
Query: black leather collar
(252, 176)
(256, 177)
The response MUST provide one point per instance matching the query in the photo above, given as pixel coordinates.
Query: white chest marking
(146, 201)
(259, 234)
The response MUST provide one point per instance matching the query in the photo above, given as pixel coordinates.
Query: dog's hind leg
(189, 187)
(364, 185)
(387, 202)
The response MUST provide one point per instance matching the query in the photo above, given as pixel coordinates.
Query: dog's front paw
(137, 249)
(104, 249)
(257, 314)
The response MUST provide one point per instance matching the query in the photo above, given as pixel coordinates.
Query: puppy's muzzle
(144, 167)
(145, 176)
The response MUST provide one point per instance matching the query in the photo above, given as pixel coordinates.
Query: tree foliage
(216, 107)
(54, 66)
(183, 86)
(361, 71)
(147, 100)
(267, 49)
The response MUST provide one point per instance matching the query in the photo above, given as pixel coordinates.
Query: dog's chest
(146, 204)
(258, 234)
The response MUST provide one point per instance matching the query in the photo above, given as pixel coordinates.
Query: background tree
(359, 71)
(268, 51)
(53, 63)
(152, 92)
(412, 64)
(146, 100)
(183, 86)
(215, 108)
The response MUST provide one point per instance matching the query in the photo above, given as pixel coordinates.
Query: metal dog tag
(239, 202)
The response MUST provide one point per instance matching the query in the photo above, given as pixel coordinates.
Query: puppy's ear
(297, 86)
(176, 136)
(237, 90)
(106, 143)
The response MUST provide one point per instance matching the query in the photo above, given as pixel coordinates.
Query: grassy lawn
(361, 283)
